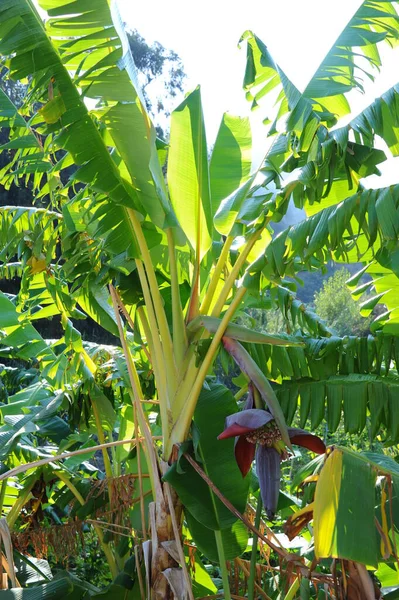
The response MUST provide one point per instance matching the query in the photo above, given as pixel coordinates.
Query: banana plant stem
(182, 418)
(254, 553)
(139, 574)
(151, 332)
(158, 356)
(216, 275)
(101, 437)
(217, 309)
(131, 324)
(179, 329)
(293, 590)
(241, 392)
(210, 355)
(176, 533)
(140, 473)
(222, 562)
(136, 395)
(148, 336)
(193, 303)
(155, 293)
(2, 495)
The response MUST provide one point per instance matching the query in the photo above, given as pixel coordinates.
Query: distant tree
(334, 304)
(15, 90)
(161, 74)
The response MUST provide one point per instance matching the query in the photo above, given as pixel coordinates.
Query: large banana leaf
(379, 118)
(24, 39)
(351, 398)
(336, 379)
(129, 124)
(344, 527)
(328, 164)
(230, 163)
(234, 539)
(321, 358)
(363, 227)
(217, 460)
(29, 159)
(91, 50)
(356, 230)
(354, 52)
(77, 48)
(188, 174)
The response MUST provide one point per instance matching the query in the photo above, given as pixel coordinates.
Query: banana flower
(257, 436)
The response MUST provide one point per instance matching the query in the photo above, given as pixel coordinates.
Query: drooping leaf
(238, 332)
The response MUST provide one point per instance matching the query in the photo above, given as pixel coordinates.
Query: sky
(205, 34)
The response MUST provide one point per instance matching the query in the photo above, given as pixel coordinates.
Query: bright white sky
(298, 34)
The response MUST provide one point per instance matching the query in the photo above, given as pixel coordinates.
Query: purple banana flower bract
(255, 428)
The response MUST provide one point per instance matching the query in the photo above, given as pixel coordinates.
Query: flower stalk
(222, 563)
(254, 552)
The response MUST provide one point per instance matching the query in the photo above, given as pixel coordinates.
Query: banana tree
(167, 264)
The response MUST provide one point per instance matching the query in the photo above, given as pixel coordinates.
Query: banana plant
(167, 264)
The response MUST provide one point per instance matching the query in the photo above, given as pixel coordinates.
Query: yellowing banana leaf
(344, 509)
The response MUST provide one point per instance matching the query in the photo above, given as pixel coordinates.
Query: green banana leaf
(217, 459)
(230, 163)
(234, 539)
(188, 175)
(47, 591)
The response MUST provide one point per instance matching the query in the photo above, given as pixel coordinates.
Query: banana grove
(167, 247)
